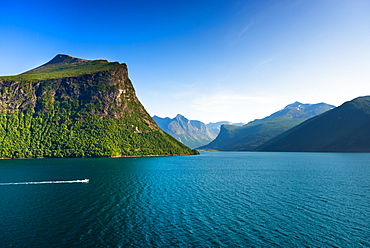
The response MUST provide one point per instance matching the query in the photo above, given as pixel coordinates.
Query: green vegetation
(343, 129)
(250, 136)
(63, 69)
(70, 134)
(76, 108)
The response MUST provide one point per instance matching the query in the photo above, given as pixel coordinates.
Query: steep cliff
(71, 107)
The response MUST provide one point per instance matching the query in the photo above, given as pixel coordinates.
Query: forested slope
(72, 107)
(342, 129)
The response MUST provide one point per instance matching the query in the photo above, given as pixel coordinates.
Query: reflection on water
(215, 199)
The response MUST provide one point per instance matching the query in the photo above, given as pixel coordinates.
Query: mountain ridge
(216, 126)
(59, 58)
(71, 107)
(248, 137)
(62, 66)
(343, 129)
(192, 133)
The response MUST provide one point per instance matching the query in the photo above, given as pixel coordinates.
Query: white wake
(47, 182)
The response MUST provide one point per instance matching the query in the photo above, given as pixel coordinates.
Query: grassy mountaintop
(62, 66)
(72, 107)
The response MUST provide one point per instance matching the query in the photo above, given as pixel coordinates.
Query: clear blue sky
(209, 60)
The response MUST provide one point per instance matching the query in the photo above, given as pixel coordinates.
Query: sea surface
(216, 199)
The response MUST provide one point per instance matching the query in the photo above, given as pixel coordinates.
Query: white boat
(85, 180)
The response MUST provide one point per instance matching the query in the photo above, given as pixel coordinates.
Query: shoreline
(122, 156)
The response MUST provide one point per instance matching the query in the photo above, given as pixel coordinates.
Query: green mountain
(343, 129)
(71, 107)
(257, 132)
(216, 126)
(189, 132)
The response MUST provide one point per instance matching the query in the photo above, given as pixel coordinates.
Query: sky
(209, 60)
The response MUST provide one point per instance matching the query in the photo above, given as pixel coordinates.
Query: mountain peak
(295, 104)
(66, 66)
(58, 59)
(181, 117)
(91, 100)
(63, 58)
(192, 133)
(342, 129)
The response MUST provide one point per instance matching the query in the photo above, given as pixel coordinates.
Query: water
(216, 199)
(45, 182)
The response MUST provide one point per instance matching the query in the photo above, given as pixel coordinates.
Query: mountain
(216, 126)
(342, 129)
(189, 132)
(257, 132)
(71, 107)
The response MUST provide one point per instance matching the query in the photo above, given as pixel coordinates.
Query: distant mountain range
(296, 128)
(342, 129)
(250, 136)
(190, 132)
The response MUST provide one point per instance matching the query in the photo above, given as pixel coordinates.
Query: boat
(85, 180)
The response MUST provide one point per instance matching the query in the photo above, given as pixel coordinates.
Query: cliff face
(106, 93)
(73, 107)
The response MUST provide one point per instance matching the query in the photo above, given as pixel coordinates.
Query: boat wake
(46, 182)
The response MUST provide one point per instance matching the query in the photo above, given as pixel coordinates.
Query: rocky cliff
(73, 107)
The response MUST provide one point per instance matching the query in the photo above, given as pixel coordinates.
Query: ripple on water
(215, 199)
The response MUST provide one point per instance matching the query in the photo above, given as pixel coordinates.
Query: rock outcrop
(74, 107)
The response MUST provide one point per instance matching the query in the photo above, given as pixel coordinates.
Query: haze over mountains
(190, 132)
(257, 132)
(216, 126)
(342, 129)
(71, 107)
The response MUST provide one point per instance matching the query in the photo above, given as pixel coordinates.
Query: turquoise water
(216, 199)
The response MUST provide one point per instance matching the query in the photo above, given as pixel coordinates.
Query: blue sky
(234, 60)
